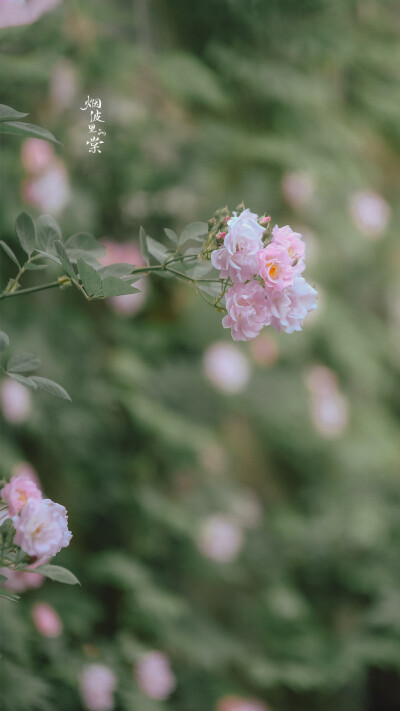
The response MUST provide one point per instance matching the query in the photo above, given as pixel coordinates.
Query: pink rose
(292, 242)
(42, 528)
(247, 310)
(154, 675)
(46, 620)
(288, 309)
(275, 267)
(18, 491)
(97, 685)
(237, 258)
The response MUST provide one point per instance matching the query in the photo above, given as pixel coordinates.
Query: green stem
(32, 289)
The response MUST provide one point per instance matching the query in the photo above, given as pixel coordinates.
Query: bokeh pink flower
(46, 620)
(220, 538)
(226, 367)
(16, 401)
(154, 675)
(97, 685)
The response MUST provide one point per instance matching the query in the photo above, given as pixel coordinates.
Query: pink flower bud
(221, 235)
(46, 620)
(265, 220)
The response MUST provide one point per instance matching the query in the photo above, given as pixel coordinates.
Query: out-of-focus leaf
(171, 235)
(79, 245)
(22, 380)
(4, 341)
(157, 250)
(10, 253)
(9, 114)
(195, 230)
(50, 387)
(23, 362)
(26, 129)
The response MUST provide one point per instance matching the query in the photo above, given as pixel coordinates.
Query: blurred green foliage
(208, 103)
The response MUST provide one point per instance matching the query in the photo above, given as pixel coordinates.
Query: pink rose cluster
(267, 287)
(41, 525)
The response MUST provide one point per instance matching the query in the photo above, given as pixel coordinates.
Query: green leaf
(196, 230)
(27, 129)
(10, 253)
(23, 362)
(9, 114)
(57, 573)
(26, 382)
(50, 256)
(116, 287)
(47, 231)
(50, 387)
(64, 259)
(25, 229)
(4, 341)
(143, 245)
(3, 579)
(90, 278)
(79, 245)
(171, 235)
(116, 270)
(157, 250)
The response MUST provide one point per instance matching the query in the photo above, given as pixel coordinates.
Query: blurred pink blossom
(46, 620)
(64, 85)
(16, 401)
(127, 253)
(19, 490)
(154, 675)
(236, 703)
(226, 367)
(298, 188)
(370, 213)
(329, 407)
(42, 528)
(14, 12)
(18, 581)
(97, 685)
(50, 190)
(219, 537)
(36, 155)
